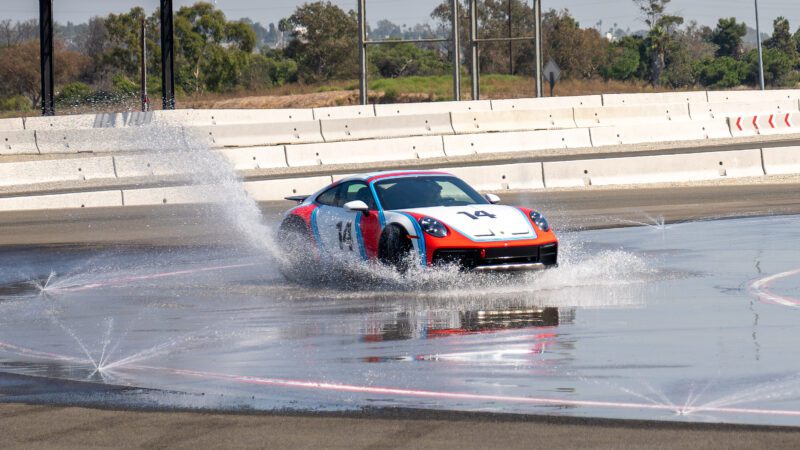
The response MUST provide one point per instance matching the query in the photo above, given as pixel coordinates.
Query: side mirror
(491, 198)
(356, 206)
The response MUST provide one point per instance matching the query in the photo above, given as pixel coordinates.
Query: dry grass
(396, 90)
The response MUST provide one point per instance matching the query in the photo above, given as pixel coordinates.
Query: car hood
(483, 223)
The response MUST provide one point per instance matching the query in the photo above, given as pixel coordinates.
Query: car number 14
(478, 214)
(345, 235)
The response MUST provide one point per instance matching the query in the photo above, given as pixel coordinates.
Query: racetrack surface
(682, 321)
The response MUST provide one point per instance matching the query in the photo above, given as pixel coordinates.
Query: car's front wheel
(395, 248)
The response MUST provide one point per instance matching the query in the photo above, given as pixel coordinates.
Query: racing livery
(424, 216)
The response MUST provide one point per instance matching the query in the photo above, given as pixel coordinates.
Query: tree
(20, 76)
(722, 72)
(782, 39)
(728, 37)
(777, 67)
(325, 41)
(398, 60)
(659, 39)
(623, 63)
(578, 52)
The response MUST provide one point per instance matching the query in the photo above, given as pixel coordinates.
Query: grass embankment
(383, 90)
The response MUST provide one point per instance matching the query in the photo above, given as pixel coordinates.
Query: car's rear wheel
(294, 240)
(395, 248)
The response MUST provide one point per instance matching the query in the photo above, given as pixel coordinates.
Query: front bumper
(530, 257)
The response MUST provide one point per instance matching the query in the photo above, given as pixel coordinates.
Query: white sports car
(389, 216)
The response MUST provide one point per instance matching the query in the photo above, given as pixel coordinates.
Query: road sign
(552, 71)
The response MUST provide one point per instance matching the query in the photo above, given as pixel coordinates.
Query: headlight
(433, 227)
(540, 221)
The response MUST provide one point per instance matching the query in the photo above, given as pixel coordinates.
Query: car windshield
(425, 191)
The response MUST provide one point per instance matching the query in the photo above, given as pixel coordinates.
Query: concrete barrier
(547, 102)
(102, 140)
(372, 150)
(17, 124)
(512, 120)
(623, 115)
(102, 199)
(19, 142)
(67, 122)
(344, 112)
(771, 123)
(709, 111)
(151, 165)
(403, 109)
(781, 160)
(654, 98)
(273, 190)
(73, 169)
(653, 169)
(386, 127)
(212, 117)
(254, 158)
(501, 177)
(256, 135)
(753, 95)
(179, 195)
(659, 132)
(470, 144)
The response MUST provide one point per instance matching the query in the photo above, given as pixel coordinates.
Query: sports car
(427, 218)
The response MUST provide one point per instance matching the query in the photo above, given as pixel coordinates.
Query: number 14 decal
(345, 235)
(478, 215)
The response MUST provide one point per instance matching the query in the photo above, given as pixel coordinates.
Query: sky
(409, 12)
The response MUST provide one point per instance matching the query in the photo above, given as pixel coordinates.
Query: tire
(395, 248)
(294, 240)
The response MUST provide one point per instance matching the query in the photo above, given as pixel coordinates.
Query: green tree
(728, 37)
(782, 39)
(398, 60)
(660, 37)
(722, 72)
(777, 68)
(579, 52)
(623, 63)
(325, 41)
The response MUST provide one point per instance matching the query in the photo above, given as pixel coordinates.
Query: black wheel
(395, 248)
(294, 240)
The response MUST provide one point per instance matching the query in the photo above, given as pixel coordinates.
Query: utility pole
(473, 42)
(46, 56)
(167, 56)
(363, 94)
(760, 54)
(510, 43)
(537, 12)
(143, 42)
(456, 52)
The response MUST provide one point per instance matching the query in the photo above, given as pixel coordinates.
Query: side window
(356, 190)
(328, 197)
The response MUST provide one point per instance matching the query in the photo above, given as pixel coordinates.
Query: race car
(427, 218)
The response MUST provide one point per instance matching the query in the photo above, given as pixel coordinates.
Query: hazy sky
(588, 12)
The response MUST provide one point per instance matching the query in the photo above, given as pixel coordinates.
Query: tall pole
(760, 54)
(510, 43)
(473, 42)
(363, 95)
(456, 52)
(46, 56)
(167, 56)
(143, 64)
(537, 11)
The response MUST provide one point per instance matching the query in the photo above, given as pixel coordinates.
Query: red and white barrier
(775, 123)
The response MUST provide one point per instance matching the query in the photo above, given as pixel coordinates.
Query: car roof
(373, 176)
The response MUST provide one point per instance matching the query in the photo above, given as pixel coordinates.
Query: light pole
(760, 53)
(46, 56)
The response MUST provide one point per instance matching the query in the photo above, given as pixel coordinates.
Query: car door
(340, 231)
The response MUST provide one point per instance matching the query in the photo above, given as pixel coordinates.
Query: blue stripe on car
(360, 238)
(420, 238)
(315, 229)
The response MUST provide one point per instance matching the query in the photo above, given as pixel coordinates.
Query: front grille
(471, 258)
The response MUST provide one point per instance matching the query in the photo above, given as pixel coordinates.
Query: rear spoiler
(297, 198)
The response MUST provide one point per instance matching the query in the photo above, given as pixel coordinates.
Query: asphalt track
(64, 426)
